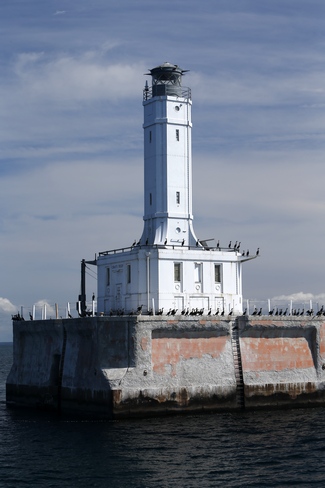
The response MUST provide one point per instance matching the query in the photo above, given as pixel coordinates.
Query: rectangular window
(177, 134)
(217, 273)
(128, 273)
(150, 198)
(150, 136)
(177, 272)
(108, 276)
(178, 197)
(197, 272)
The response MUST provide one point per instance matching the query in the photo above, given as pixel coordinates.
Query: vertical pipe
(148, 280)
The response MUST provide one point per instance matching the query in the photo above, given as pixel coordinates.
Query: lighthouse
(169, 270)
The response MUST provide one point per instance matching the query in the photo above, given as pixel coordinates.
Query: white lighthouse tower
(169, 269)
(167, 159)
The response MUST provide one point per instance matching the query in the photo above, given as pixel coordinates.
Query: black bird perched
(222, 313)
(30, 316)
(147, 241)
(217, 312)
(183, 242)
(229, 245)
(235, 246)
(231, 311)
(247, 253)
(245, 311)
(259, 312)
(238, 246)
(165, 241)
(258, 251)
(139, 309)
(134, 243)
(197, 243)
(218, 244)
(255, 311)
(209, 312)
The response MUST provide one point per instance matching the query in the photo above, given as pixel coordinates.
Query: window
(150, 136)
(177, 134)
(177, 271)
(128, 273)
(197, 272)
(217, 273)
(150, 198)
(108, 276)
(178, 197)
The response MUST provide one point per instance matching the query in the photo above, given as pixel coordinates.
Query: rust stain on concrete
(322, 340)
(275, 354)
(168, 351)
(144, 343)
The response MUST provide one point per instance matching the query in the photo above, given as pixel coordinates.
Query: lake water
(250, 449)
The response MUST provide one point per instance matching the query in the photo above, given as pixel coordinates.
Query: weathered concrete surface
(123, 366)
(282, 361)
(116, 367)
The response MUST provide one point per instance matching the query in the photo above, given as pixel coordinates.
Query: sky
(71, 141)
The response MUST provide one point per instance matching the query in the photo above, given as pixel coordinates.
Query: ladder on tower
(240, 394)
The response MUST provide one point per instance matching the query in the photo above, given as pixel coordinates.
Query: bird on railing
(231, 312)
(245, 311)
(30, 316)
(165, 242)
(247, 252)
(183, 242)
(218, 244)
(255, 311)
(258, 251)
(259, 312)
(229, 245)
(217, 312)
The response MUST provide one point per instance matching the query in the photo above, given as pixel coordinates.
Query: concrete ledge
(115, 367)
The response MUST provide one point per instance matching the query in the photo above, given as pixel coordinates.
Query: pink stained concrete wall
(275, 353)
(169, 351)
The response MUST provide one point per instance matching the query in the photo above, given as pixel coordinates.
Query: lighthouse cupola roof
(167, 80)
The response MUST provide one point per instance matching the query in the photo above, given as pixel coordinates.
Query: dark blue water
(255, 449)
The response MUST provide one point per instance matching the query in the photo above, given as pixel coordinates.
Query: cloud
(66, 78)
(7, 306)
(301, 297)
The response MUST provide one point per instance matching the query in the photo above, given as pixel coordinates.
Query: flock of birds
(231, 247)
(200, 311)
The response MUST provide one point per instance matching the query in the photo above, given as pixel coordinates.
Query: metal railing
(180, 92)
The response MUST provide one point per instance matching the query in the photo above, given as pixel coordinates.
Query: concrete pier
(114, 367)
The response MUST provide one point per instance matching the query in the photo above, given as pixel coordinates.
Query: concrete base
(114, 367)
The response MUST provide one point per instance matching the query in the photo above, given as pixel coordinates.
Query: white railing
(44, 311)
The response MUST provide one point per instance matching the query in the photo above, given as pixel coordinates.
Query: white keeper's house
(169, 268)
